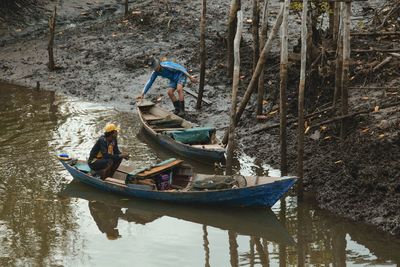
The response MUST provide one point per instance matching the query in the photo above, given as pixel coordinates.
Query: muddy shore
(101, 57)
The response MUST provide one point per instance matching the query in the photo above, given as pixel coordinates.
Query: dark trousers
(105, 167)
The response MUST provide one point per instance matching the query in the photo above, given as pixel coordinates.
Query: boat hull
(264, 195)
(184, 150)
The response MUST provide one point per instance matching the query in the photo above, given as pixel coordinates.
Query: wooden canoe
(245, 192)
(179, 135)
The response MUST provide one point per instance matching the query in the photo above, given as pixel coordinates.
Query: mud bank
(101, 57)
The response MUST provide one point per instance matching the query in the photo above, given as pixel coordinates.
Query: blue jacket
(169, 70)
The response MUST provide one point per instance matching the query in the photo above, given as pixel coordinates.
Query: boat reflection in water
(106, 209)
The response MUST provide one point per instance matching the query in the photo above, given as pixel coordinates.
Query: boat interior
(174, 175)
(165, 122)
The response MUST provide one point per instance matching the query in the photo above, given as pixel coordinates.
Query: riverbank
(101, 57)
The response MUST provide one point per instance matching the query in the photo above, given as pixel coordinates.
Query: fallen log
(195, 95)
(375, 88)
(383, 63)
(373, 33)
(384, 106)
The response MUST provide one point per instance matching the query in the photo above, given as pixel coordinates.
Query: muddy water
(47, 219)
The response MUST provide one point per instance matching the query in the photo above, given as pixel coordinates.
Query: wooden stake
(300, 142)
(52, 26)
(257, 72)
(339, 61)
(256, 38)
(263, 37)
(346, 66)
(126, 8)
(202, 53)
(283, 87)
(235, 85)
(235, 6)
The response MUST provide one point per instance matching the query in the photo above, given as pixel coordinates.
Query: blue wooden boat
(179, 135)
(184, 186)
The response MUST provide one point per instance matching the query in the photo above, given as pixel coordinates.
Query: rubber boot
(181, 108)
(176, 105)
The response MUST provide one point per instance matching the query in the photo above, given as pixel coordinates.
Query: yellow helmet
(111, 127)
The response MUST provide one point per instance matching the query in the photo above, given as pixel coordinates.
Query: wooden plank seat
(169, 129)
(158, 169)
(209, 146)
(114, 181)
(151, 117)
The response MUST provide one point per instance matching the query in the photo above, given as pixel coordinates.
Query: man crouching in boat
(176, 74)
(105, 156)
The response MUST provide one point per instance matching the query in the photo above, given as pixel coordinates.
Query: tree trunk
(283, 87)
(257, 72)
(256, 39)
(336, 22)
(346, 66)
(263, 37)
(235, 85)
(52, 26)
(300, 142)
(202, 53)
(331, 13)
(235, 6)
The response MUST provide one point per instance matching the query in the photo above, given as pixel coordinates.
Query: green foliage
(317, 8)
(296, 6)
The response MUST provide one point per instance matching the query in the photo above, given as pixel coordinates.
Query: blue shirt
(169, 70)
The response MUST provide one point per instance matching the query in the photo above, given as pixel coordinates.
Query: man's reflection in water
(106, 218)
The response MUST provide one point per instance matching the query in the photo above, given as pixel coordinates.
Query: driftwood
(52, 26)
(395, 54)
(235, 86)
(383, 63)
(202, 53)
(365, 111)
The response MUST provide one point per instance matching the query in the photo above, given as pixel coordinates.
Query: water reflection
(251, 222)
(106, 218)
(34, 224)
(38, 227)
